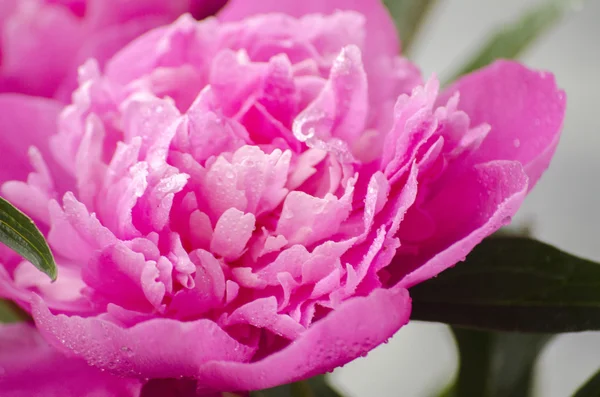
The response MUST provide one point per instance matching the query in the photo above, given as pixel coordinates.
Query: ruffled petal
(381, 31)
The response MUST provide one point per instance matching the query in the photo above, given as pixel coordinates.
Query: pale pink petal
(232, 232)
(262, 313)
(340, 111)
(382, 38)
(307, 219)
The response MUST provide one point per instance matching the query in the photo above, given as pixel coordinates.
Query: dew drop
(517, 143)
(128, 352)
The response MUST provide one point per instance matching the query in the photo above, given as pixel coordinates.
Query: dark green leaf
(313, 387)
(591, 388)
(475, 351)
(513, 38)
(513, 360)
(514, 284)
(19, 233)
(408, 15)
(495, 364)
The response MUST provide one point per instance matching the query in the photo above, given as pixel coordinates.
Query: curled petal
(469, 208)
(140, 351)
(30, 367)
(356, 327)
(524, 108)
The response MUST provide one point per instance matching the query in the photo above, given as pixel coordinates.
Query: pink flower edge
(30, 367)
(202, 351)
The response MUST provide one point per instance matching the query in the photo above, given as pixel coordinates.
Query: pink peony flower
(244, 201)
(29, 367)
(42, 42)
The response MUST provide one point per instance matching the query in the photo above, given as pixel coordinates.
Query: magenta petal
(524, 108)
(24, 122)
(30, 367)
(469, 208)
(140, 351)
(352, 330)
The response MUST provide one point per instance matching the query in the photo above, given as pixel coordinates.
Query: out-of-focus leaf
(475, 351)
(314, 387)
(495, 364)
(513, 361)
(18, 232)
(11, 313)
(591, 388)
(514, 284)
(513, 38)
(409, 15)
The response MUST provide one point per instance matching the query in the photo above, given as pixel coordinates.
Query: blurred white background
(564, 206)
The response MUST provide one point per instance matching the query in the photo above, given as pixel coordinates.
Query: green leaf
(495, 364)
(513, 361)
(10, 313)
(408, 15)
(513, 38)
(19, 233)
(313, 387)
(591, 388)
(514, 284)
(475, 351)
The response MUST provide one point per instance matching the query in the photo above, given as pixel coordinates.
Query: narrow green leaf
(475, 350)
(409, 15)
(495, 364)
(313, 387)
(18, 232)
(514, 284)
(591, 388)
(513, 38)
(513, 361)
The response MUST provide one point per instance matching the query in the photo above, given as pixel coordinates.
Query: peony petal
(388, 75)
(232, 232)
(466, 210)
(24, 122)
(381, 31)
(140, 351)
(39, 31)
(103, 13)
(30, 367)
(524, 108)
(356, 327)
(262, 313)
